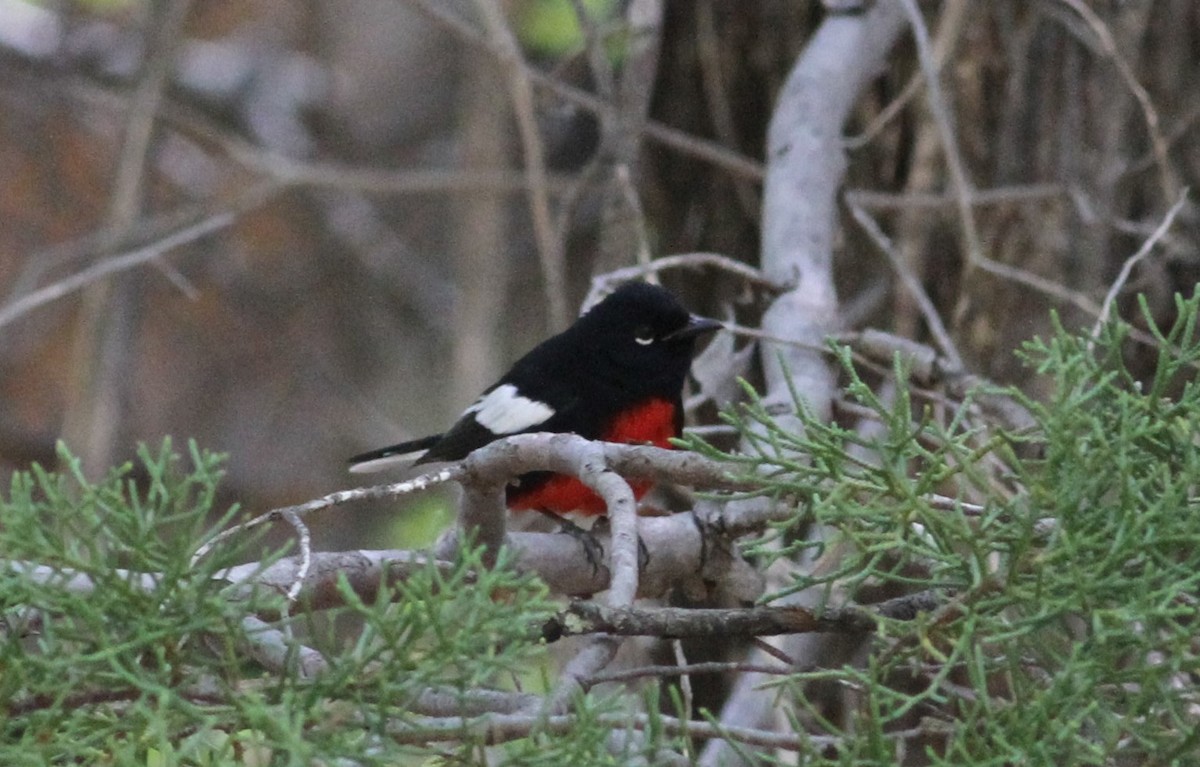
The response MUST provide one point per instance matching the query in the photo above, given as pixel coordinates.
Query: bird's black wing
(501, 411)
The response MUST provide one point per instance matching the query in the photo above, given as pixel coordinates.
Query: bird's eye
(643, 335)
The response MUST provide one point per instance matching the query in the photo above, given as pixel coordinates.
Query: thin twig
(305, 544)
(603, 284)
(1149, 113)
(591, 659)
(624, 180)
(949, 30)
(1002, 195)
(493, 729)
(715, 667)
(932, 319)
(685, 680)
(1132, 261)
(278, 652)
(708, 51)
(963, 190)
(376, 492)
(693, 146)
(774, 652)
(112, 265)
(549, 242)
(585, 617)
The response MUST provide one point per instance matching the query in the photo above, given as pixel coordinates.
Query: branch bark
(806, 165)
(687, 623)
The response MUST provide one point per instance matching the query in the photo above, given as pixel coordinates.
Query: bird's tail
(402, 454)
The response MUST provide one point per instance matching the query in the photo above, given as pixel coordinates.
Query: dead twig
(549, 243)
(112, 265)
(1127, 268)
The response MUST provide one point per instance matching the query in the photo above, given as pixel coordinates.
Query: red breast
(655, 423)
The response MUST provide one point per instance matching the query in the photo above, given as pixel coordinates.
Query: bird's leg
(643, 550)
(592, 548)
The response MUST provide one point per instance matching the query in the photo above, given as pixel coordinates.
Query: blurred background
(357, 250)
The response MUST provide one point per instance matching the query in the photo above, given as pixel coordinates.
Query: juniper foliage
(1067, 562)
(1071, 584)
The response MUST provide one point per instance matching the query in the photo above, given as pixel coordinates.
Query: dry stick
(685, 143)
(103, 335)
(549, 244)
(277, 651)
(288, 171)
(700, 623)
(112, 265)
(483, 473)
(911, 284)
(951, 20)
(708, 51)
(1183, 125)
(1150, 114)
(1039, 283)
(963, 190)
(1127, 267)
(623, 227)
(685, 679)
(1002, 195)
(807, 165)
(305, 544)
(126, 202)
(590, 660)
(714, 667)
(595, 47)
(776, 653)
(145, 230)
(629, 192)
(375, 492)
(494, 729)
(592, 469)
(604, 284)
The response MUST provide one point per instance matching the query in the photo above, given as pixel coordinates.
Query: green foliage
(552, 28)
(1066, 558)
(117, 649)
(1071, 586)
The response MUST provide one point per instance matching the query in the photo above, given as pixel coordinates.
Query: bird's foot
(592, 548)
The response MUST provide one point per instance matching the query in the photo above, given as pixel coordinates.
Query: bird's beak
(696, 326)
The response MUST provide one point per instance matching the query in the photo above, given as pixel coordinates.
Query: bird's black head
(643, 329)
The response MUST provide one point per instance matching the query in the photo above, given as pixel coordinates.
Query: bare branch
(932, 319)
(501, 728)
(685, 143)
(806, 167)
(1149, 113)
(869, 199)
(279, 652)
(693, 623)
(304, 538)
(603, 284)
(714, 667)
(963, 189)
(1132, 261)
(549, 243)
(112, 265)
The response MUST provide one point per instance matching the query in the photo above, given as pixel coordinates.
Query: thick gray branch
(683, 623)
(805, 168)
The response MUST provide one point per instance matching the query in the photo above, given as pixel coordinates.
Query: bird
(615, 375)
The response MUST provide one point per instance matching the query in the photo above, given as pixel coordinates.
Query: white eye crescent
(644, 336)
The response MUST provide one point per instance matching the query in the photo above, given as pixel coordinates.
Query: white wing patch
(393, 461)
(504, 411)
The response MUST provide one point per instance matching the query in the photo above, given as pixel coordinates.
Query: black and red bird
(615, 375)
